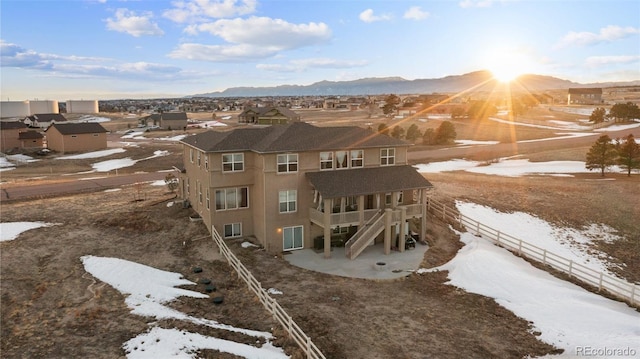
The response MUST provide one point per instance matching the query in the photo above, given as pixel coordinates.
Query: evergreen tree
(445, 133)
(601, 155)
(598, 115)
(397, 132)
(629, 154)
(391, 103)
(383, 129)
(429, 137)
(413, 133)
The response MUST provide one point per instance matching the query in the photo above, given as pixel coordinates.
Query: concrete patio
(396, 264)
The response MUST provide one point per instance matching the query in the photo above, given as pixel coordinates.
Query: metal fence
(615, 286)
(294, 331)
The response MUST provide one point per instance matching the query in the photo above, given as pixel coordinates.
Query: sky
(112, 49)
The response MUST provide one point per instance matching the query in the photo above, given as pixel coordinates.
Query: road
(510, 149)
(21, 192)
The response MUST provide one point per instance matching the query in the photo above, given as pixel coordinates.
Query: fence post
(477, 228)
(633, 292)
(570, 267)
(444, 210)
(544, 260)
(309, 348)
(600, 283)
(498, 238)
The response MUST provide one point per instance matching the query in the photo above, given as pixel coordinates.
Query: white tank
(46, 106)
(14, 109)
(82, 106)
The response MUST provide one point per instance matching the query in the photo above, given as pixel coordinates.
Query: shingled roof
(78, 128)
(362, 181)
(29, 135)
(12, 125)
(48, 117)
(292, 137)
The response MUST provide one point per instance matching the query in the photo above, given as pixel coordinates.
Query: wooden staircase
(365, 235)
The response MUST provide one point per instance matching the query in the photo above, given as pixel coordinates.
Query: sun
(506, 66)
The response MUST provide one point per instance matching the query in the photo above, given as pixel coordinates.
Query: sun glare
(507, 66)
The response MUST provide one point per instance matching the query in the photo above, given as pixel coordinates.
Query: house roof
(12, 125)
(30, 135)
(262, 111)
(292, 137)
(361, 181)
(581, 91)
(78, 128)
(174, 116)
(47, 117)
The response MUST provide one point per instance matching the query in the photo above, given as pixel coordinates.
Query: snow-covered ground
(110, 165)
(567, 316)
(11, 230)
(147, 292)
(93, 154)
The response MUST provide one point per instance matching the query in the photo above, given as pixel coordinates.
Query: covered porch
(372, 201)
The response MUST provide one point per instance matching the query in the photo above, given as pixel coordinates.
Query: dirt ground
(52, 308)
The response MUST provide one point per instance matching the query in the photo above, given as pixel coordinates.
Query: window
(287, 200)
(326, 160)
(232, 198)
(232, 162)
(232, 230)
(206, 162)
(188, 189)
(191, 155)
(387, 156)
(388, 199)
(208, 200)
(199, 158)
(292, 238)
(95, 135)
(199, 185)
(357, 158)
(288, 163)
(342, 160)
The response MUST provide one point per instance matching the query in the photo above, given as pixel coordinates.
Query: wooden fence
(294, 331)
(604, 282)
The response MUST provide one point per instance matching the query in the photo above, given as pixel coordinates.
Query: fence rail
(604, 282)
(279, 314)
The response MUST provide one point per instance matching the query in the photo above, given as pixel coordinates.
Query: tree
(481, 110)
(629, 154)
(391, 103)
(445, 133)
(413, 133)
(601, 155)
(624, 112)
(383, 129)
(429, 137)
(397, 132)
(458, 112)
(598, 115)
(171, 181)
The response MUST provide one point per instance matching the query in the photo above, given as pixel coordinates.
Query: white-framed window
(232, 198)
(388, 198)
(232, 162)
(208, 199)
(287, 200)
(233, 230)
(188, 187)
(342, 159)
(191, 155)
(199, 186)
(199, 158)
(292, 238)
(387, 156)
(326, 160)
(288, 162)
(357, 158)
(206, 161)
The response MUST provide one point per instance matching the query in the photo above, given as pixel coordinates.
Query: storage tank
(82, 106)
(14, 109)
(45, 106)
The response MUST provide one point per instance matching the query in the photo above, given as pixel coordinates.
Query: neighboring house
(584, 96)
(10, 134)
(298, 186)
(268, 115)
(166, 120)
(44, 120)
(31, 140)
(76, 137)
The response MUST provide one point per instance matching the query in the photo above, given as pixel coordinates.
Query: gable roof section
(361, 181)
(174, 116)
(292, 137)
(78, 128)
(270, 111)
(12, 125)
(30, 135)
(47, 117)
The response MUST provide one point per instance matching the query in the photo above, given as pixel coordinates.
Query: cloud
(312, 63)
(223, 53)
(475, 3)
(135, 25)
(416, 13)
(368, 16)
(201, 10)
(606, 34)
(12, 55)
(596, 61)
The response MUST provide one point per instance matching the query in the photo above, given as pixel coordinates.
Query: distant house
(10, 134)
(584, 96)
(268, 115)
(76, 137)
(44, 120)
(31, 140)
(166, 120)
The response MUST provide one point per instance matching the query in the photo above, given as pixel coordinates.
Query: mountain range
(473, 81)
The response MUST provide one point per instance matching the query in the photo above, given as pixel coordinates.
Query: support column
(327, 227)
(360, 212)
(387, 231)
(423, 219)
(403, 228)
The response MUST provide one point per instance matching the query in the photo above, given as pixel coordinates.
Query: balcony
(344, 219)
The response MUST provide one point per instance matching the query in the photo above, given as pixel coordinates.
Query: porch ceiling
(363, 181)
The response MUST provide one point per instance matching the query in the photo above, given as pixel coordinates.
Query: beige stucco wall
(9, 139)
(75, 143)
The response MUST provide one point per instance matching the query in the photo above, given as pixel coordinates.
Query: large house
(584, 96)
(15, 135)
(44, 120)
(268, 115)
(167, 120)
(76, 137)
(298, 186)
